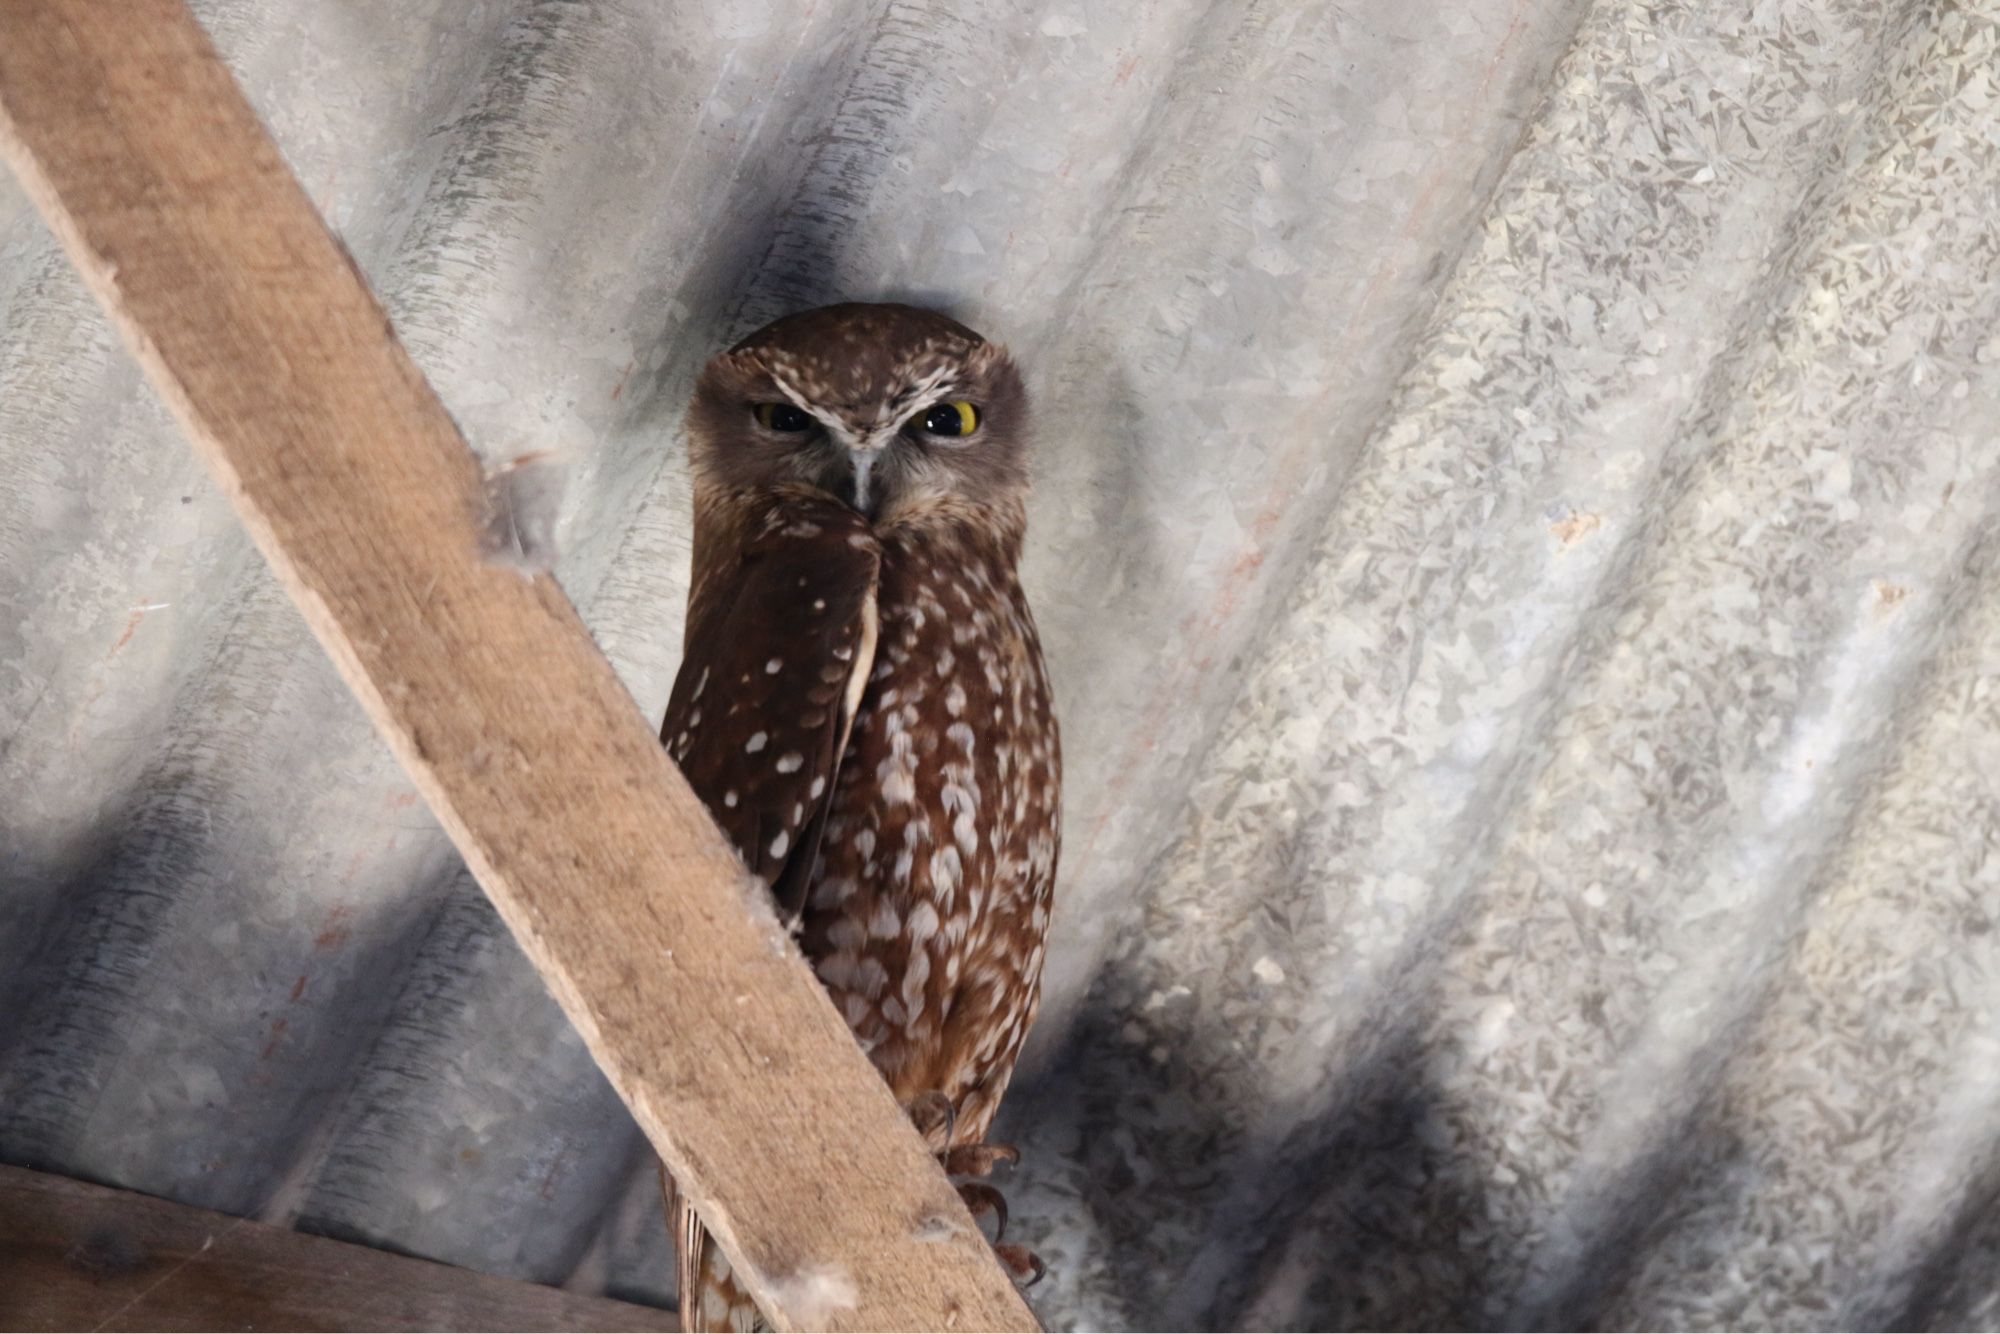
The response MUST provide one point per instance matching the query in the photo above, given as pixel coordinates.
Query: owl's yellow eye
(952, 419)
(782, 417)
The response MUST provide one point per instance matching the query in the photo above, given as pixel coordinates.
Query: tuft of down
(813, 1295)
(523, 502)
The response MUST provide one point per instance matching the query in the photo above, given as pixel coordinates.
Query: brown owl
(863, 706)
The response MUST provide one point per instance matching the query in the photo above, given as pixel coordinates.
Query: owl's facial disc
(896, 411)
(864, 452)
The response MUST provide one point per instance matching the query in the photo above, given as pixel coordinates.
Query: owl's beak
(861, 463)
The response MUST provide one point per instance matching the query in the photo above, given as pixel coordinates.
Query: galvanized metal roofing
(1515, 541)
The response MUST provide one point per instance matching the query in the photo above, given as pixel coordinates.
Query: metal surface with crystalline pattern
(1515, 543)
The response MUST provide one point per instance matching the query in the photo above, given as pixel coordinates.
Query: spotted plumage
(862, 703)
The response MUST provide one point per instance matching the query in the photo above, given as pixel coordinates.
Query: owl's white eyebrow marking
(835, 427)
(898, 409)
(920, 395)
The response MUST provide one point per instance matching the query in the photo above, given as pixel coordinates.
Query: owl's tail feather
(711, 1298)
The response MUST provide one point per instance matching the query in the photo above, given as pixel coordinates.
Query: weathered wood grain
(79, 1256)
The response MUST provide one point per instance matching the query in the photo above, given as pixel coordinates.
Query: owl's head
(887, 408)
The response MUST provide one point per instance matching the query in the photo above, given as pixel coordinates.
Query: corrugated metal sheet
(1515, 539)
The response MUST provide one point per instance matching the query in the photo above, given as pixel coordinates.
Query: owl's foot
(978, 1160)
(1022, 1264)
(935, 1118)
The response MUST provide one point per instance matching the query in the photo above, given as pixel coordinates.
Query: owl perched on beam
(863, 707)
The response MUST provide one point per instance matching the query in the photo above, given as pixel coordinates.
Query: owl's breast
(930, 901)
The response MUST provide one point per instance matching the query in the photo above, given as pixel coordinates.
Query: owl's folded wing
(780, 641)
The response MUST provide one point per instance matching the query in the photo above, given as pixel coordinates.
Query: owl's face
(884, 407)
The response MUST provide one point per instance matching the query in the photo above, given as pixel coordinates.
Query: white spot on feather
(756, 743)
(915, 977)
(884, 924)
(898, 777)
(947, 870)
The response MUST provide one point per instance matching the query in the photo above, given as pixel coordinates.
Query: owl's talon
(935, 1118)
(1023, 1265)
(979, 1160)
(982, 1200)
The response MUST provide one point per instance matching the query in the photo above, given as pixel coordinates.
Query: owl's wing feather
(781, 637)
(794, 883)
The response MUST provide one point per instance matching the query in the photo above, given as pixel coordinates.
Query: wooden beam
(264, 339)
(78, 1256)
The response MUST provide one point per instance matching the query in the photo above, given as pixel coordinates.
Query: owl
(863, 706)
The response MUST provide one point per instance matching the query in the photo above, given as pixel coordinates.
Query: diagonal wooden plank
(263, 338)
(78, 1256)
